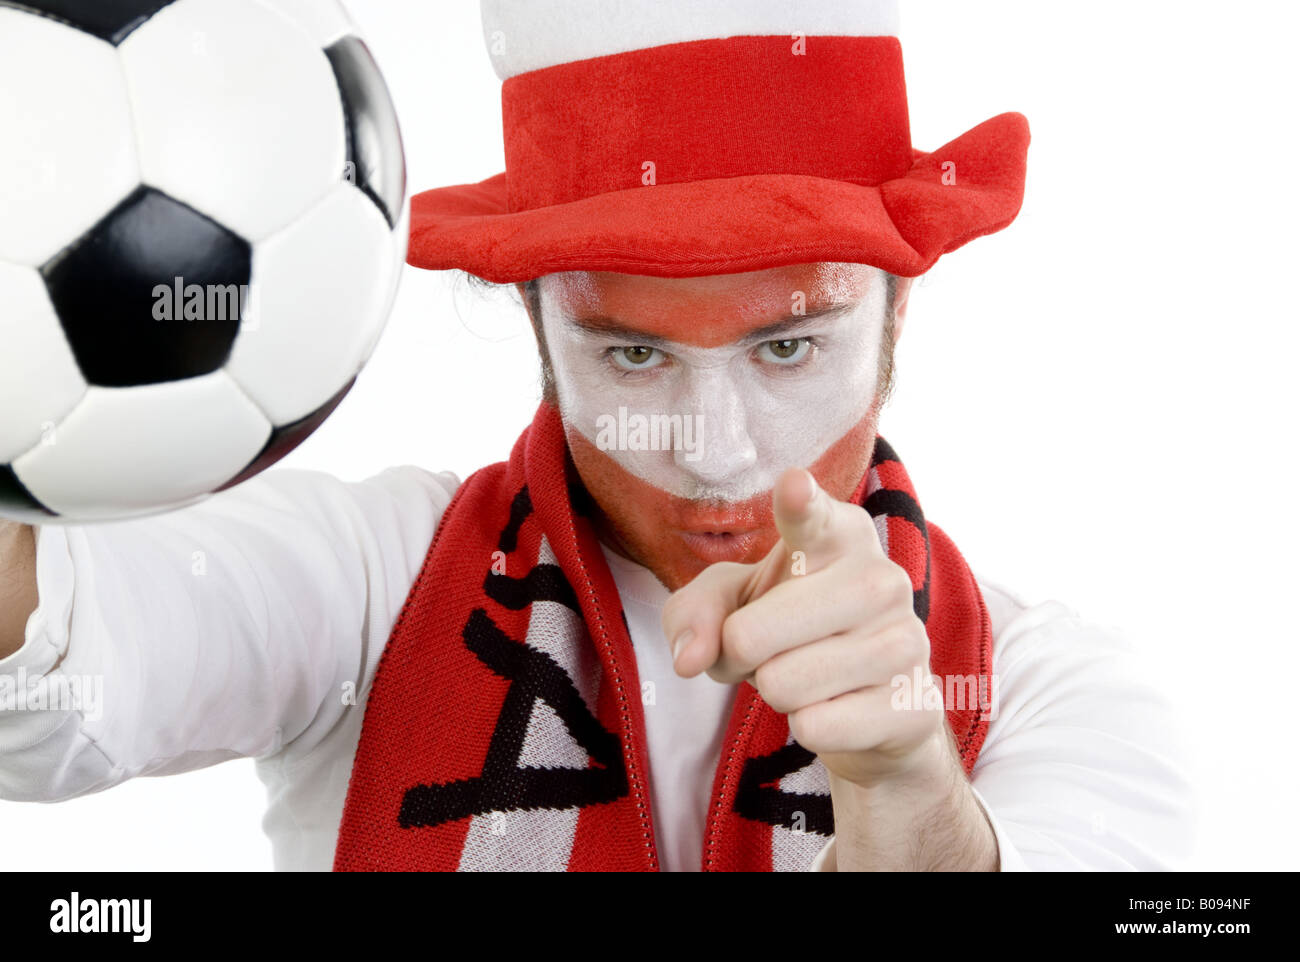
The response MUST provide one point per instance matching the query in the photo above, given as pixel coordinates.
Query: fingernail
(681, 641)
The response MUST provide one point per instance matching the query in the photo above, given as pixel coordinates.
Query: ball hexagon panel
(152, 293)
(325, 21)
(110, 20)
(237, 112)
(320, 289)
(374, 139)
(69, 153)
(127, 439)
(39, 381)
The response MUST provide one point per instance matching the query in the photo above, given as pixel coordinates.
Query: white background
(1094, 403)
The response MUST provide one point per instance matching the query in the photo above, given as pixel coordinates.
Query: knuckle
(857, 519)
(803, 727)
(904, 645)
(921, 639)
(742, 638)
(915, 646)
(898, 586)
(889, 586)
(772, 685)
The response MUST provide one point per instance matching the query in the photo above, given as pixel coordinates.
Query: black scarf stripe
(900, 504)
(520, 508)
(504, 784)
(758, 798)
(545, 582)
(883, 452)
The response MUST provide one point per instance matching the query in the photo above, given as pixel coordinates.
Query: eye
(637, 358)
(787, 352)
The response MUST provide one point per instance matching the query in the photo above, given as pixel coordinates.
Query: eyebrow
(603, 326)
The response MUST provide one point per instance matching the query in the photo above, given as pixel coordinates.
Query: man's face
(684, 399)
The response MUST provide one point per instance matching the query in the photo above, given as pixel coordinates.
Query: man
(828, 686)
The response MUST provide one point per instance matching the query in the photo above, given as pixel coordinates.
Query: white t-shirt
(251, 625)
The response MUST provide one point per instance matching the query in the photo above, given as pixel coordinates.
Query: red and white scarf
(504, 729)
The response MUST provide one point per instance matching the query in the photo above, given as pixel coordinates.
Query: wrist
(922, 818)
(929, 768)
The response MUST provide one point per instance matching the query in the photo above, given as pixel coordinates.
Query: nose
(722, 450)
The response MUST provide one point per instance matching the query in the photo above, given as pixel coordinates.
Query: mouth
(727, 545)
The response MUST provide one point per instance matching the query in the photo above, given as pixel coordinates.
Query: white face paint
(738, 414)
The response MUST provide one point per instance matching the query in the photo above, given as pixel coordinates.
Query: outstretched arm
(17, 583)
(234, 628)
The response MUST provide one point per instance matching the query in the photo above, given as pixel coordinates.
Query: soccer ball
(203, 222)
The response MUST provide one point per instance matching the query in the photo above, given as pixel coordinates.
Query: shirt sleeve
(243, 626)
(1084, 766)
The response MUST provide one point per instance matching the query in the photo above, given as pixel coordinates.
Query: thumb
(805, 518)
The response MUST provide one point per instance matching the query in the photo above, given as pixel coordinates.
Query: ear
(900, 305)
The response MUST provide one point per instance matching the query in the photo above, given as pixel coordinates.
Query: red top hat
(681, 138)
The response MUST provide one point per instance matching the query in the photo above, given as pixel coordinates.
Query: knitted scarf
(504, 729)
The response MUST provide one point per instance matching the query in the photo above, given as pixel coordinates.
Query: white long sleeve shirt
(251, 625)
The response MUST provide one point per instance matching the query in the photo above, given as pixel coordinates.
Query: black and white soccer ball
(203, 221)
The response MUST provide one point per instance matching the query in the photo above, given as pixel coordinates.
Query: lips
(714, 546)
(720, 533)
(718, 517)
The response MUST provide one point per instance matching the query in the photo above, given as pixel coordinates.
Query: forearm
(17, 584)
(926, 823)
(233, 628)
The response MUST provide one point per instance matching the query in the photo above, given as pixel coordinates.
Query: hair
(532, 302)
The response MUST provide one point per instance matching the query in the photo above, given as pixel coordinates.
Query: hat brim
(971, 186)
